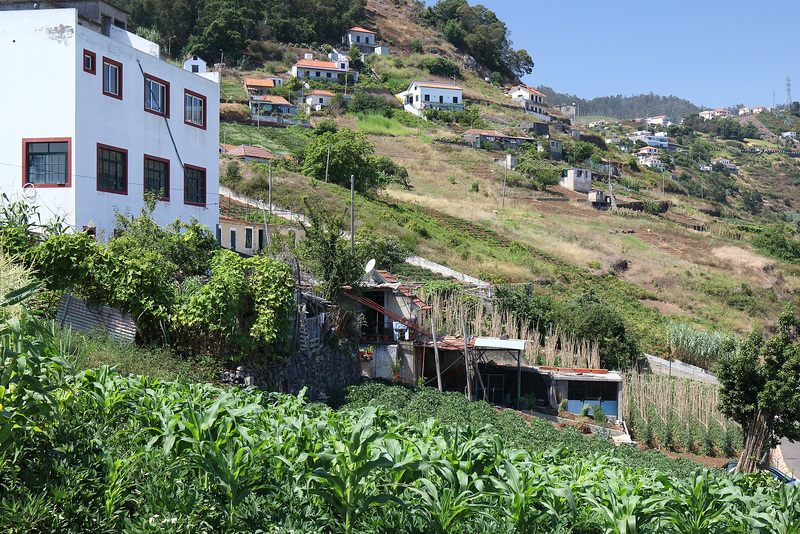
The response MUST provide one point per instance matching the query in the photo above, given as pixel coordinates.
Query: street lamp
(169, 46)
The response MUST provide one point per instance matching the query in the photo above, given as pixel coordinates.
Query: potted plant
(369, 352)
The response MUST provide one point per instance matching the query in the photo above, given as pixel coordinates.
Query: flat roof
(497, 343)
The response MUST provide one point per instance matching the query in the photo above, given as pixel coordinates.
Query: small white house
(422, 95)
(530, 99)
(788, 135)
(320, 70)
(658, 120)
(126, 123)
(319, 99)
(578, 180)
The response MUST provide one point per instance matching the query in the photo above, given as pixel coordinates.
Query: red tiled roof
(359, 29)
(529, 89)
(313, 63)
(320, 92)
(227, 147)
(251, 152)
(253, 82)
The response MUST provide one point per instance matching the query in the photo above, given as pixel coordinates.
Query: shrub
(475, 187)
(599, 415)
(416, 45)
(585, 410)
(441, 66)
(562, 406)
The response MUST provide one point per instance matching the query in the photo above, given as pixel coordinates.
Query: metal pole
(466, 356)
(327, 162)
(436, 355)
(352, 214)
(270, 188)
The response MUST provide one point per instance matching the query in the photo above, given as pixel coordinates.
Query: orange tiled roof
(320, 92)
(251, 152)
(227, 147)
(436, 85)
(313, 63)
(359, 29)
(274, 99)
(253, 82)
(529, 89)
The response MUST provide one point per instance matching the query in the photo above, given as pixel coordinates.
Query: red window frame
(89, 53)
(119, 78)
(205, 109)
(25, 142)
(165, 198)
(125, 179)
(166, 96)
(205, 186)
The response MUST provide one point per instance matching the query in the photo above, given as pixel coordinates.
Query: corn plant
(702, 504)
(780, 514)
(624, 511)
(348, 469)
(520, 487)
(449, 503)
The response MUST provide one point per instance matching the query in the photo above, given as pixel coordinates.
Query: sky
(713, 53)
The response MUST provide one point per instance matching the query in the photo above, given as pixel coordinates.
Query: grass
(92, 352)
(279, 141)
(232, 89)
(374, 124)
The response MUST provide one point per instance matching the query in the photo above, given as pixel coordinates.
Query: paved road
(791, 455)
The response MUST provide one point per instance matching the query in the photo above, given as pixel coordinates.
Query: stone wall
(322, 373)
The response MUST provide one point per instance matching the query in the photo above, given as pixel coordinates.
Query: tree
(327, 253)
(758, 390)
(350, 154)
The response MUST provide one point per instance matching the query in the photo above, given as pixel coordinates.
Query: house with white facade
(658, 120)
(321, 70)
(123, 124)
(261, 86)
(365, 40)
(652, 161)
(530, 99)
(578, 180)
(318, 99)
(647, 151)
(758, 109)
(725, 162)
(658, 140)
(422, 95)
(744, 111)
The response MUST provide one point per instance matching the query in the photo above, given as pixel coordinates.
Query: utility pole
(505, 175)
(327, 162)
(466, 356)
(270, 188)
(352, 215)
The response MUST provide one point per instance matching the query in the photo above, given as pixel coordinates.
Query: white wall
(55, 97)
(37, 97)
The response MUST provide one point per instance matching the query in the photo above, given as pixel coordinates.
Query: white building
(118, 122)
(422, 95)
(578, 180)
(658, 120)
(658, 140)
(319, 99)
(330, 70)
(530, 99)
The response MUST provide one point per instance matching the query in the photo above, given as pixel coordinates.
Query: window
(112, 78)
(156, 96)
(89, 62)
(195, 68)
(441, 99)
(358, 38)
(248, 238)
(260, 239)
(328, 74)
(455, 100)
(46, 162)
(316, 74)
(194, 109)
(233, 240)
(219, 236)
(366, 40)
(156, 177)
(112, 169)
(194, 185)
(320, 100)
(427, 98)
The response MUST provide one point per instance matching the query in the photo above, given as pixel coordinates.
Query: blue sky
(710, 52)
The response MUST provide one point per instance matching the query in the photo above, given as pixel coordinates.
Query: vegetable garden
(96, 451)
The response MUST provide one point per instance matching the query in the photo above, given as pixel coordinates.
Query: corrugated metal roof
(93, 319)
(497, 343)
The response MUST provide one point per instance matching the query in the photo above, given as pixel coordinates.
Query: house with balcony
(422, 95)
(658, 120)
(530, 99)
(365, 40)
(126, 124)
(259, 86)
(654, 162)
(725, 162)
(271, 105)
(313, 69)
(658, 140)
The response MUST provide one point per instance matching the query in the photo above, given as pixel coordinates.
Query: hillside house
(365, 40)
(789, 135)
(715, 113)
(422, 95)
(323, 70)
(126, 122)
(658, 140)
(531, 100)
(744, 111)
(259, 86)
(318, 99)
(646, 151)
(570, 110)
(578, 180)
(492, 139)
(248, 238)
(584, 387)
(271, 105)
(654, 162)
(726, 163)
(554, 147)
(758, 109)
(658, 120)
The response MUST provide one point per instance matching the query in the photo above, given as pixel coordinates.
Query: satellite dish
(29, 192)
(370, 265)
